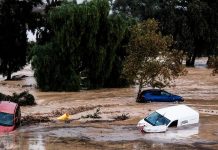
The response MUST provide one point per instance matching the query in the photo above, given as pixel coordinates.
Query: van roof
(7, 107)
(178, 112)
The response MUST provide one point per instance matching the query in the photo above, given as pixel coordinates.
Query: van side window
(174, 124)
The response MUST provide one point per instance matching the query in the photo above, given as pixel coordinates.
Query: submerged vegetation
(95, 115)
(23, 98)
(122, 117)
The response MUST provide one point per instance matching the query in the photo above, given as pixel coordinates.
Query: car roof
(178, 112)
(151, 90)
(8, 107)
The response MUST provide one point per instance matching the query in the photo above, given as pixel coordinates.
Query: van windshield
(6, 119)
(156, 119)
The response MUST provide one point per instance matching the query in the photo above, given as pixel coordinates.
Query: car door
(156, 97)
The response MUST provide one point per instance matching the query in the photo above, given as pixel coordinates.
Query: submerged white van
(174, 116)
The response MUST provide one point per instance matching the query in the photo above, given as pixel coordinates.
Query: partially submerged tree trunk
(190, 61)
(9, 75)
(139, 92)
(211, 61)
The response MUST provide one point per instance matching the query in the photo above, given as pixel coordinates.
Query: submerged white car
(174, 116)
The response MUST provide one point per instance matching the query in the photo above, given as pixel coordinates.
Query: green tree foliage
(83, 43)
(116, 79)
(139, 9)
(201, 24)
(151, 61)
(192, 23)
(43, 30)
(15, 18)
(53, 70)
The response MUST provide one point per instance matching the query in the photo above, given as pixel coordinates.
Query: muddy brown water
(199, 88)
(49, 136)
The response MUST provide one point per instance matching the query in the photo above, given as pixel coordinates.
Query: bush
(122, 117)
(23, 99)
(95, 115)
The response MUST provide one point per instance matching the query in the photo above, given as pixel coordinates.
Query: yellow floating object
(64, 117)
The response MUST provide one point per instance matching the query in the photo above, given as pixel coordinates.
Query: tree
(82, 42)
(52, 69)
(138, 9)
(215, 66)
(212, 62)
(15, 16)
(199, 26)
(44, 32)
(151, 60)
(115, 78)
(192, 23)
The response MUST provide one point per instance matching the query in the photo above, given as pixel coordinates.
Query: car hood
(177, 96)
(147, 127)
(143, 123)
(6, 129)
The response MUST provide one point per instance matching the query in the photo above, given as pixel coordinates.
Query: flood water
(199, 89)
(49, 136)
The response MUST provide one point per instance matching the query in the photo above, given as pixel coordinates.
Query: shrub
(122, 117)
(23, 98)
(95, 115)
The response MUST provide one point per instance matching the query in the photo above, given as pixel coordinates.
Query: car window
(165, 93)
(6, 119)
(156, 93)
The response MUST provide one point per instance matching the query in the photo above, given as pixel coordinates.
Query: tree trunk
(190, 61)
(193, 58)
(139, 92)
(9, 75)
(210, 62)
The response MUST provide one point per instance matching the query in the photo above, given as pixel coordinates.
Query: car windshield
(6, 119)
(157, 119)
